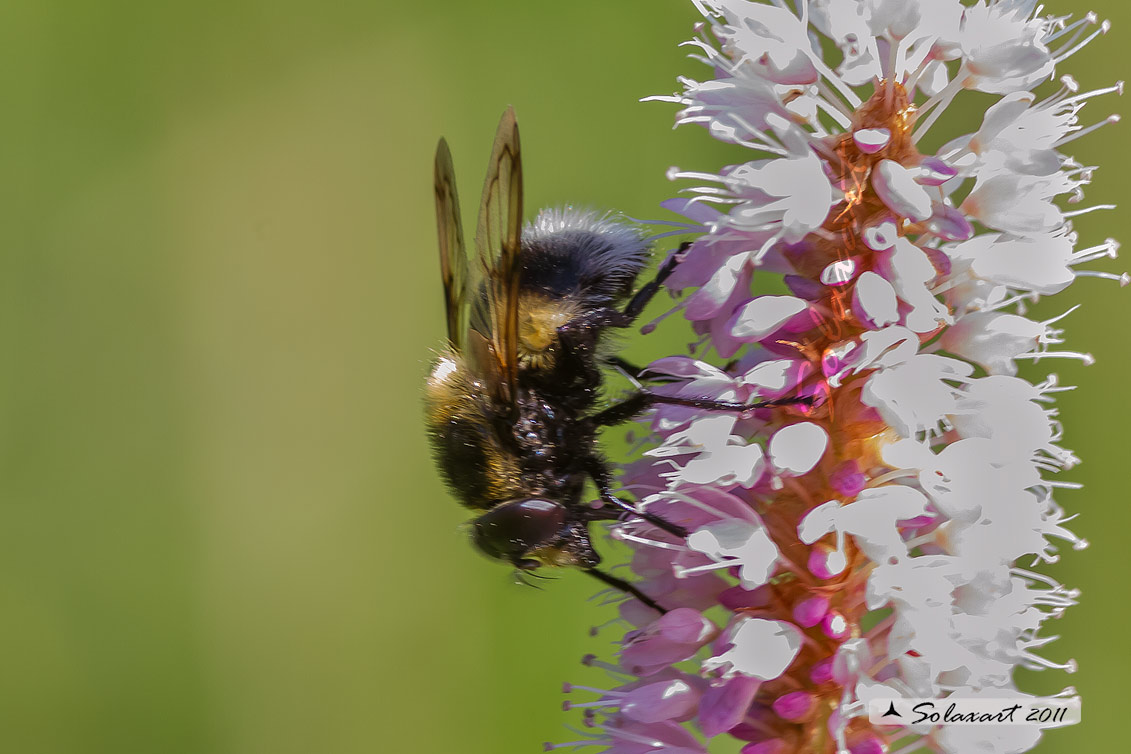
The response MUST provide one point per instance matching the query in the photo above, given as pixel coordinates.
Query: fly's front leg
(579, 335)
(638, 403)
(649, 290)
(598, 319)
(626, 410)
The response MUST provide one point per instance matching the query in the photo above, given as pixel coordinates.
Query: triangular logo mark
(892, 711)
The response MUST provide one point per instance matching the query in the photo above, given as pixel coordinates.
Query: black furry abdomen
(463, 454)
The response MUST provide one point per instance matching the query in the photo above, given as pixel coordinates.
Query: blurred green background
(220, 530)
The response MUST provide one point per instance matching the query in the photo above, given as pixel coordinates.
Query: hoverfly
(510, 404)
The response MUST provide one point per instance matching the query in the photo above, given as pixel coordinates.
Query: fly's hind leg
(603, 479)
(622, 512)
(616, 583)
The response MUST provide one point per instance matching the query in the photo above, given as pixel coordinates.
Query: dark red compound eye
(509, 531)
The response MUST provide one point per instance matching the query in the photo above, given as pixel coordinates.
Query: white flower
(726, 464)
(1017, 203)
(872, 519)
(916, 395)
(908, 468)
(787, 197)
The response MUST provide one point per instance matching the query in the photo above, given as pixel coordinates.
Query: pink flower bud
(809, 613)
(795, 706)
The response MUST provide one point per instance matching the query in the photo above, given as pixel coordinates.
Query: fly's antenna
(520, 578)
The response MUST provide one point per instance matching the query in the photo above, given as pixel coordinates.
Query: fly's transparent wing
(497, 239)
(453, 253)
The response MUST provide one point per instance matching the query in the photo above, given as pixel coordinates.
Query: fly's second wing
(467, 286)
(453, 253)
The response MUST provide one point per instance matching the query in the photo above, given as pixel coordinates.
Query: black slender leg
(657, 521)
(580, 333)
(625, 587)
(716, 405)
(649, 290)
(578, 329)
(636, 404)
(603, 479)
(627, 409)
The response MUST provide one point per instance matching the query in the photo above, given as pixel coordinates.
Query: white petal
(838, 272)
(836, 561)
(703, 432)
(709, 299)
(811, 195)
(727, 465)
(887, 347)
(910, 271)
(874, 299)
(760, 648)
(910, 263)
(896, 187)
(907, 454)
(1017, 204)
(1002, 409)
(987, 739)
(872, 518)
(1003, 48)
(871, 140)
(797, 447)
(777, 375)
(765, 314)
(771, 38)
(723, 538)
(748, 544)
(1039, 263)
(970, 475)
(881, 236)
(686, 367)
(1000, 115)
(915, 396)
(818, 522)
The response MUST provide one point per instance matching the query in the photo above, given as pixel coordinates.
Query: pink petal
(656, 702)
(725, 704)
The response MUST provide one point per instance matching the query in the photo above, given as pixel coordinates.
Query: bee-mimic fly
(510, 403)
